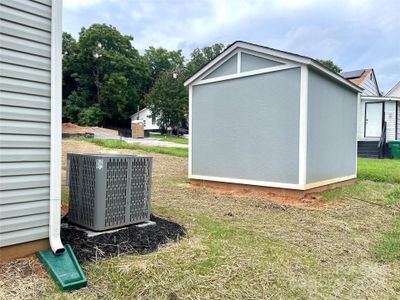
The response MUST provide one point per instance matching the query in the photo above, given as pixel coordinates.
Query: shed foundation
(246, 188)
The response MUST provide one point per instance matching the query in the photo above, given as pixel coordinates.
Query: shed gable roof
(279, 54)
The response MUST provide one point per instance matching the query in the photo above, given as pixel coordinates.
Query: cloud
(79, 4)
(354, 33)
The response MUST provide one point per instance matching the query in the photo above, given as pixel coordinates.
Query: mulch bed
(126, 241)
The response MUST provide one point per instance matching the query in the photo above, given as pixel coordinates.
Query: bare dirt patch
(70, 128)
(312, 200)
(165, 167)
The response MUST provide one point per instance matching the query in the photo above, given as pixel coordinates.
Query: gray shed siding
(252, 62)
(332, 129)
(247, 128)
(25, 46)
(227, 68)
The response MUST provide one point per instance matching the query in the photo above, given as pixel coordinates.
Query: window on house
(153, 120)
(370, 76)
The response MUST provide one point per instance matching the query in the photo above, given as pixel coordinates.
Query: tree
(330, 65)
(200, 57)
(69, 49)
(161, 60)
(108, 73)
(168, 100)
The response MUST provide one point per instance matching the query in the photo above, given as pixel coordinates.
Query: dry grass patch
(247, 247)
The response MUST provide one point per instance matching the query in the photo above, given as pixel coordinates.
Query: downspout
(55, 138)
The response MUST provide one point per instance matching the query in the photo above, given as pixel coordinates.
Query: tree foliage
(168, 100)
(330, 65)
(102, 70)
(105, 79)
(161, 60)
(200, 57)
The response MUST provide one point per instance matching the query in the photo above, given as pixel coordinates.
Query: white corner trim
(292, 186)
(55, 127)
(358, 118)
(246, 74)
(239, 62)
(303, 120)
(190, 130)
(327, 182)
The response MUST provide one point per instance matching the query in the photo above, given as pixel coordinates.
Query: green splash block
(64, 268)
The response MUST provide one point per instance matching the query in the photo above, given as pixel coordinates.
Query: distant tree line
(106, 80)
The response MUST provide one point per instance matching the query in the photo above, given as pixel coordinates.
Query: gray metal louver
(108, 190)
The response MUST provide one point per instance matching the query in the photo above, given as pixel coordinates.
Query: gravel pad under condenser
(130, 240)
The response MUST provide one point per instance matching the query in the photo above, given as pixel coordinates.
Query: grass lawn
(169, 138)
(344, 246)
(384, 170)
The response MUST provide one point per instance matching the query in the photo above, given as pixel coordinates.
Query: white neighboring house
(373, 111)
(150, 124)
(395, 93)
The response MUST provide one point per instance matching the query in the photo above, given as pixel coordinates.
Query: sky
(355, 34)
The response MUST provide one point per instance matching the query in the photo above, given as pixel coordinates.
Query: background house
(394, 91)
(150, 124)
(30, 125)
(264, 117)
(377, 115)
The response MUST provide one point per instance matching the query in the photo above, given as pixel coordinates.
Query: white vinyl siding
(398, 121)
(390, 118)
(369, 86)
(145, 116)
(25, 48)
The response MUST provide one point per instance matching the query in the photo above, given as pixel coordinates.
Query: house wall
(145, 115)
(398, 121)
(25, 88)
(390, 118)
(395, 91)
(331, 128)
(247, 128)
(369, 85)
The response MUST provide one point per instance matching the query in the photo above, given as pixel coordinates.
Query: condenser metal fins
(108, 191)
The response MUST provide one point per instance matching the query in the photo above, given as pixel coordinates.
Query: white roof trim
(245, 74)
(272, 52)
(377, 98)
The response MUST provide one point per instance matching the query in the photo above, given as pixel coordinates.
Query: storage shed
(264, 117)
(30, 126)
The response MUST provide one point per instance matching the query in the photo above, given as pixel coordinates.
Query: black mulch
(126, 241)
